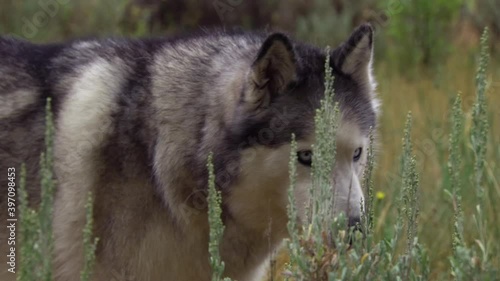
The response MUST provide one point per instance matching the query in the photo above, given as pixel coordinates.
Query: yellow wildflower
(380, 195)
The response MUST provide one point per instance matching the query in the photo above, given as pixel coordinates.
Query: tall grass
(216, 225)
(36, 225)
(429, 102)
(35, 235)
(473, 261)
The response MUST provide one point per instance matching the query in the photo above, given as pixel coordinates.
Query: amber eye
(357, 154)
(305, 157)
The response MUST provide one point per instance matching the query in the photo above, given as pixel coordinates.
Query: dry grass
(429, 98)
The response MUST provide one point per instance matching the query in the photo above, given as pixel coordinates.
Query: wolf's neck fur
(244, 248)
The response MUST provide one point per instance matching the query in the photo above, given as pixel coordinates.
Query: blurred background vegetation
(426, 52)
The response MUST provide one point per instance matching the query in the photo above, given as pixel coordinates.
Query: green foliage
(89, 244)
(295, 251)
(368, 207)
(322, 201)
(216, 225)
(473, 262)
(36, 225)
(50, 20)
(421, 31)
(331, 22)
(454, 170)
(28, 235)
(479, 132)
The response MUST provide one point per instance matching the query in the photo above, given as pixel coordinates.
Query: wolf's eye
(357, 154)
(305, 157)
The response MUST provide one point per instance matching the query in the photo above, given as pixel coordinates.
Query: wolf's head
(281, 90)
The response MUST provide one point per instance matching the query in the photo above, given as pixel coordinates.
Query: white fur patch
(85, 123)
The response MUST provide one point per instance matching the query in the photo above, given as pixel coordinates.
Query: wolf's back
(176, 74)
(109, 97)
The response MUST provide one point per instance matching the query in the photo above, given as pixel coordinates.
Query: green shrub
(472, 261)
(331, 22)
(421, 31)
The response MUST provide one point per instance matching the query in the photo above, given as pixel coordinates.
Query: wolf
(135, 120)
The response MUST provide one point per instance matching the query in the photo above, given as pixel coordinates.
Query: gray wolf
(135, 121)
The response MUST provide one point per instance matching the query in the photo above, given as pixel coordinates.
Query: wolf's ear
(354, 56)
(272, 71)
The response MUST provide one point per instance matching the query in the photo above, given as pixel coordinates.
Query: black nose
(355, 222)
(354, 226)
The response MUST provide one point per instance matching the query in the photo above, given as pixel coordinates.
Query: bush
(331, 22)
(421, 31)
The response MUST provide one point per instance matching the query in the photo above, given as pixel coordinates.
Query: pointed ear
(272, 71)
(354, 56)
